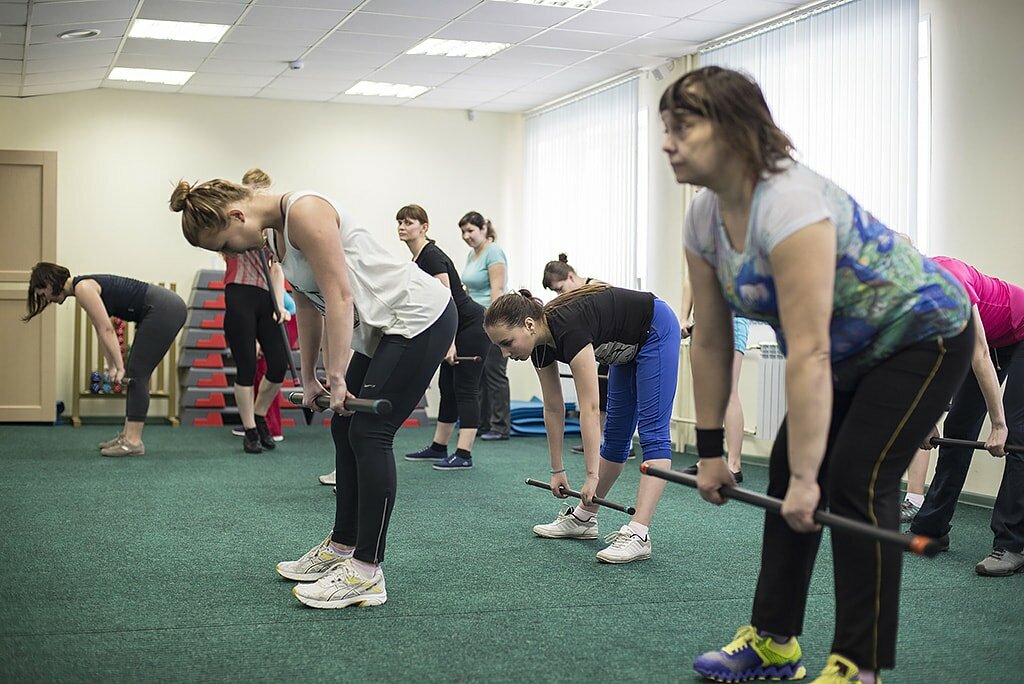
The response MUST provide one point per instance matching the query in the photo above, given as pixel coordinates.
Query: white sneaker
(113, 441)
(625, 546)
(343, 586)
(313, 565)
(278, 438)
(568, 526)
(328, 479)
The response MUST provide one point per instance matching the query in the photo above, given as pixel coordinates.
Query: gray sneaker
(111, 442)
(1001, 563)
(124, 448)
(908, 512)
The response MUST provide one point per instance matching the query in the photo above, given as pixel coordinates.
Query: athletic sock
(639, 529)
(439, 448)
(916, 499)
(583, 515)
(337, 550)
(463, 453)
(365, 570)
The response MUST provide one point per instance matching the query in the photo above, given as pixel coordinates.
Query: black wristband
(710, 443)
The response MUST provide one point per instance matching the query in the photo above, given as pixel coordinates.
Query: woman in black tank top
(158, 315)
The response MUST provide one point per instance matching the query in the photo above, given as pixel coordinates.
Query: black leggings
(249, 316)
(874, 433)
(460, 384)
(163, 315)
(400, 371)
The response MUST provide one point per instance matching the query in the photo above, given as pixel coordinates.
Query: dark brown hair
(44, 273)
(556, 271)
(475, 218)
(414, 212)
(512, 310)
(734, 103)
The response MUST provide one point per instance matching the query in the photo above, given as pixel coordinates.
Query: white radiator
(771, 391)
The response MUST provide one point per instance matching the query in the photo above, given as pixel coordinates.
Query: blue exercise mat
(527, 418)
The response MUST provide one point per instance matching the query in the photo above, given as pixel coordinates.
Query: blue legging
(642, 392)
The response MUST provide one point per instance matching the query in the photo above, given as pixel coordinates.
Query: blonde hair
(257, 179)
(203, 206)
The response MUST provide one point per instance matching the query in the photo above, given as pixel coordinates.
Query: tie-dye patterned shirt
(887, 295)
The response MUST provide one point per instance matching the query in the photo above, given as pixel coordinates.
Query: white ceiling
(556, 50)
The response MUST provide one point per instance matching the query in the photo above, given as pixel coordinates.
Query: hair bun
(256, 178)
(526, 293)
(563, 258)
(180, 196)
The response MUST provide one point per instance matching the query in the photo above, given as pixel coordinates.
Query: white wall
(121, 152)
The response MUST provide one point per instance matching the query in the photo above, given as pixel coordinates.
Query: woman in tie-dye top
(877, 338)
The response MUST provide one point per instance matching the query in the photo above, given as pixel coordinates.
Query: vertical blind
(843, 85)
(581, 187)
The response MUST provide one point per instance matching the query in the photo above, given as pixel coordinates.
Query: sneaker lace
(997, 554)
(744, 636)
(619, 539)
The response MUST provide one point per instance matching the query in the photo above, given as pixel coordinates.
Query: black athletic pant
(162, 317)
(460, 384)
(494, 394)
(966, 416)
(874, 433)
(249, 316)
(400, 370)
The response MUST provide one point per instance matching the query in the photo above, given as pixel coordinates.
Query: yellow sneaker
(750, 656)
(840, 670)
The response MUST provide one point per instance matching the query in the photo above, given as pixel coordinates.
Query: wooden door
(28, 233)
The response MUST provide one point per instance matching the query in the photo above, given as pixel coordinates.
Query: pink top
(1000, 304)
(245, 268)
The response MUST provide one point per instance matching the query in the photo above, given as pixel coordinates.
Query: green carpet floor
(161, 568)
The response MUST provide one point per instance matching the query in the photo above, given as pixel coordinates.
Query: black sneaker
(738, 476)
(492, 436)
(427, 454)
(251, 442)
(942, 541)
(263, 430)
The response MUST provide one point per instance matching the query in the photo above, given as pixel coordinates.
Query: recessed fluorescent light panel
(386, 89)
(150, 75)
(457, 48)
(574, 4)
(178, 30)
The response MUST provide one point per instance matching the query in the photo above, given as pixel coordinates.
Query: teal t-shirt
(476, 277)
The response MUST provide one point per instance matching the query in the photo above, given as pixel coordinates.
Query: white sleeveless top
(391, 296)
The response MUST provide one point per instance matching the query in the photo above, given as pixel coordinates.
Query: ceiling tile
(244, 51)
(541, 55)
(325, 72)
(694, 31)
(494, 67)
(233, 66)
(363, 42)
(93, 75)
(616, 22)
(10, 66)
(233, 80)
(12, 35)
(174, 48)
(391, 75)
(370, 100)
(292, 18)
(303, 95)
(743, 12)
(187, 10)
(12, 51)
(658, 47)
(174, 63)
(220, 91)
(263, 35)
(434, 9)
(109, 30)
(391, 25)
(661, 8)
(137, 85)
(324, 80)
(97, 46)
(12, 14)
(578, 40)
(457, 99)
(369, 60)
(312, 4)
(434, 64)
(10, 79)
(54, 88)
(44, 13)
(612, 60)
(496, 33)
(520, 14)
(35, 66)
(487, 83)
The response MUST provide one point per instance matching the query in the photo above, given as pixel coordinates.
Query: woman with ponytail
(637, 336)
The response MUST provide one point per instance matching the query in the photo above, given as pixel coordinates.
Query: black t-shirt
(433, 261)
(122, 297)
(615, 321)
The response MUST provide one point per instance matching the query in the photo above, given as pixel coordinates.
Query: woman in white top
(398, 322)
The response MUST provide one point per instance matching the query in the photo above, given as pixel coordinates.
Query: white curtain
(581, 187)
(843, 85)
